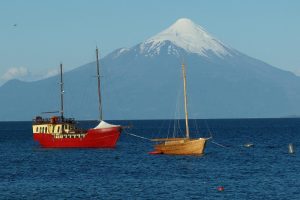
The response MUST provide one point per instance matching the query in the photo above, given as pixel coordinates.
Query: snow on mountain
(187, 35)
(119, 52)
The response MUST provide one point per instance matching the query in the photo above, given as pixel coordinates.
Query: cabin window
(37, 129)
(53, 129)
(46, 130)
(58, 129)
(42, 129)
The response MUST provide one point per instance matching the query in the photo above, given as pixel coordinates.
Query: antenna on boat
(185, 102)
(61, 93)
(99, 92)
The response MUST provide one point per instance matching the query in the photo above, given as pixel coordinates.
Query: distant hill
(144, 82)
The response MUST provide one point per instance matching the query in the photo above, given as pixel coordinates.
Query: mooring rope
(218, 144)
(134, 135)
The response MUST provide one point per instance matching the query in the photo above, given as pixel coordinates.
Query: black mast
(61, 93)
(99, 92)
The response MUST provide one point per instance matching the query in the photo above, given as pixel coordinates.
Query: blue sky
(49, 32)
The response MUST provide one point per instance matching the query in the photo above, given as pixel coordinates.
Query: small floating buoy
(291, 148)
(248, 145)
(220, 188)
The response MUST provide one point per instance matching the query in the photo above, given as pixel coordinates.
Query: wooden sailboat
(181, 146)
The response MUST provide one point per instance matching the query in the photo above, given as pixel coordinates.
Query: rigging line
(179, 97)
(180, 132)
(210, 133)
(196, 126)
(174, 121)
(176, 118)
(169, 128)
(136, 136)
(160, 129)
(219, 144)
(176, 114)
(174, 129)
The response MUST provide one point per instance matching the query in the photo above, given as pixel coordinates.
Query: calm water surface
(265, 171)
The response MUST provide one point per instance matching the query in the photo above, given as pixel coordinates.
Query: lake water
(264, 171)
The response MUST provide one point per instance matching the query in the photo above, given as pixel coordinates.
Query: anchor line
(218, 144)
(211, 137)
(134, 135)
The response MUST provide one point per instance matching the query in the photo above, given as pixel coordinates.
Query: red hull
(94, 138)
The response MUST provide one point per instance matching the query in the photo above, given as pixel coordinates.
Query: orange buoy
(220, 188)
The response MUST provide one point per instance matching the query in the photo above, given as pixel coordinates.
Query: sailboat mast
(99, 92)
(185, 103)
(61, 93)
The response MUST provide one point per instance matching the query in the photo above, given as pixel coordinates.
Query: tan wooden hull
(181, 146)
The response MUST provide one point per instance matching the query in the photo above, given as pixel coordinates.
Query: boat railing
(53, 120)
(69, 120)
(40, 120)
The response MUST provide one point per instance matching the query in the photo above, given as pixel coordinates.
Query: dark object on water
(248, 145)
(291, 148)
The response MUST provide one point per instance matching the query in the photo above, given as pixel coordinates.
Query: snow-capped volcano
(187, 35)
(143, 82)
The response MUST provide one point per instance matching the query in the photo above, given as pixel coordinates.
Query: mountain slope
(144, 82)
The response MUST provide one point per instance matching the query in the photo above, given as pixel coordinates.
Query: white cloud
(51, 72)
(22, 73)
(14, 73)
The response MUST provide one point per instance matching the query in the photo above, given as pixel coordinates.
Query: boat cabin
(54, 125)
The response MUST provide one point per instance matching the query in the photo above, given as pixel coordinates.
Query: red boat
(60, 132)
